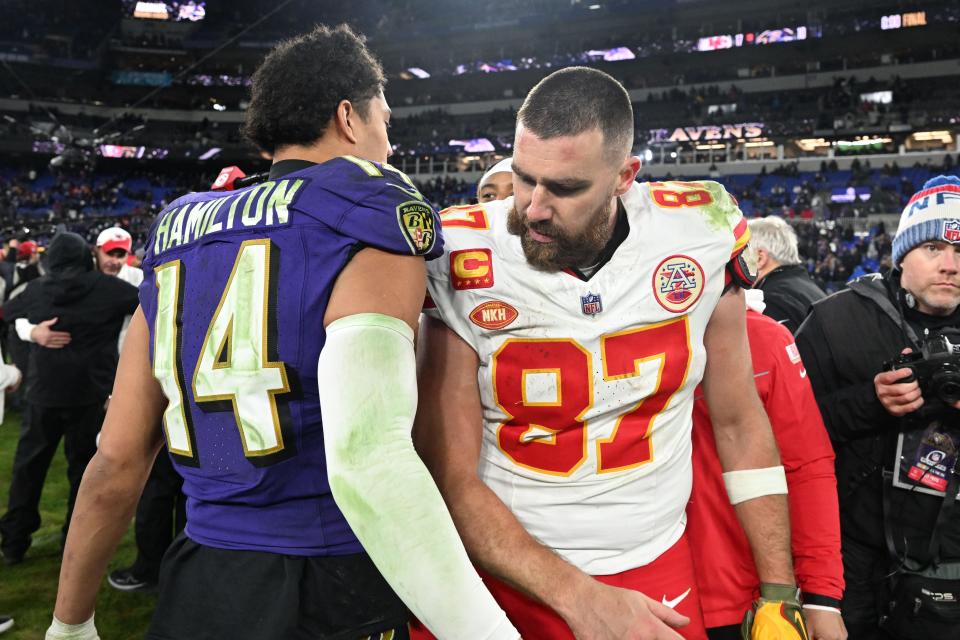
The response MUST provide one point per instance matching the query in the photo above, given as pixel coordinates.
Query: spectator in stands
(727, 576)
(497, 182)
(876, 418)
(67, 387)
(787, 288)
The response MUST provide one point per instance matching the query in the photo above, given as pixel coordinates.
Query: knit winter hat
(933, 213)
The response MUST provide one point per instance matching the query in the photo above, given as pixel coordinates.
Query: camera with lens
(936, 367)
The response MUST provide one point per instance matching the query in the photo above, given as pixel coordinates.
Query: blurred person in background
(67, 387)
(25, 269)
(10, 378)
(496, 183)
(896, 444)
(114, 247)
(725, 569)
(788, 290)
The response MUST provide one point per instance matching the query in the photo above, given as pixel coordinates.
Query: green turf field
(28, 590)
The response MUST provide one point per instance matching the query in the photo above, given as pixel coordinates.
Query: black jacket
(789, 293)
(88, 304)
(844, 343)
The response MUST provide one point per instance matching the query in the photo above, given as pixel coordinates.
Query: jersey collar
(283, 167)
(620, 232)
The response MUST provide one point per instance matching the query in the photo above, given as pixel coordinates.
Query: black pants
(731, 632)
(210, 594)
(161, 515)
(864, 570)
(39, 437)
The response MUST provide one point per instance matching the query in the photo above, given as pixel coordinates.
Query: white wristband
(748, 484)
(820, 607)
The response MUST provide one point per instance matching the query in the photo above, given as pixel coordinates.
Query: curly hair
(296, 90)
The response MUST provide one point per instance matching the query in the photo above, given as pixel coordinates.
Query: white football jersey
(587, 385)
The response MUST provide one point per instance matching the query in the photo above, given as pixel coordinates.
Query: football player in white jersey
(566, 331)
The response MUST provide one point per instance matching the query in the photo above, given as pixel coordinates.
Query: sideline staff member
(844, 343)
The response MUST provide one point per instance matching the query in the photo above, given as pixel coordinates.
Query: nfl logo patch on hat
(951, 230)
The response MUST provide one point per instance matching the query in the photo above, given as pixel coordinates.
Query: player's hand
(610, 613)
(898, 398)
(825, 625)
(43, 335)
(776, 615)
(63, 631)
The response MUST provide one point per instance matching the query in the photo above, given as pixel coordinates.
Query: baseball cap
(114, 238)
(26, 249)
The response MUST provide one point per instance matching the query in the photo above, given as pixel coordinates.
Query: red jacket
(727, 577)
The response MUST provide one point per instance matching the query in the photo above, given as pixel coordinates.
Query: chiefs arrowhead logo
(493, 315)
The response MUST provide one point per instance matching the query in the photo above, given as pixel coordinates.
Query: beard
(567, 249)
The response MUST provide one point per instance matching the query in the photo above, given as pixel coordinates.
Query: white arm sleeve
(368, 398)
(24, 329)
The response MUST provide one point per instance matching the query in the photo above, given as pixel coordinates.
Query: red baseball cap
(114, 238)
(26, 249)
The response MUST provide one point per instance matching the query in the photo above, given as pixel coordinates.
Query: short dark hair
(296, 90)
(571, 101)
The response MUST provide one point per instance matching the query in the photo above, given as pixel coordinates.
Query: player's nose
(539, 208)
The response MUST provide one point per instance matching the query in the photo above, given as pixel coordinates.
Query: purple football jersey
(235, 289)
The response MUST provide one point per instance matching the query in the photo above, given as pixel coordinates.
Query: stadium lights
(704, 147)
(760, 143)
(811, 144)
(862, 141)
(927, 136)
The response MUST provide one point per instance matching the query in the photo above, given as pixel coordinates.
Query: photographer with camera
(881, 362)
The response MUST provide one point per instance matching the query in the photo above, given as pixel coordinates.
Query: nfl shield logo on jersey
(591, 304)
(951, 230)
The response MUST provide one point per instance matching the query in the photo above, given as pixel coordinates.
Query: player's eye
(565, 191)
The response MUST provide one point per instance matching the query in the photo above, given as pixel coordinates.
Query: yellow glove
(776, 615)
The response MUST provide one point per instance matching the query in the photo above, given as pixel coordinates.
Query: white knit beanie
(933, 213)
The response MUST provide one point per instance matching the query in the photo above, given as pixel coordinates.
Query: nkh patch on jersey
(493, 314)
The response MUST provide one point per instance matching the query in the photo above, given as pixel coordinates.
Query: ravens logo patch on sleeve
(416, 223)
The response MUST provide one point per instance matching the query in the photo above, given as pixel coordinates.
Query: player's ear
(627, 174)
(345, 119)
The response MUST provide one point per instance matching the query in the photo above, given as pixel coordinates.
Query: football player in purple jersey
(275, 340)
